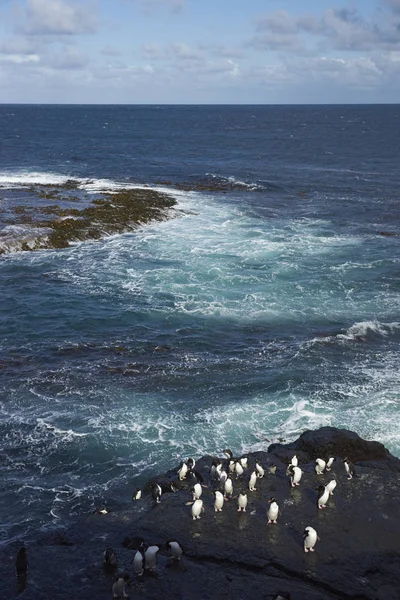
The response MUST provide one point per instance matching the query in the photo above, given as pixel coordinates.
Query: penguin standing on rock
(110, 561)
(156, 492)
(323, 496)
(319, 466)
(349, 467)
(150, 558)
(331, 486)
(329, 463)
(295, 475)
(243, 461)
(182, 471)
(213, 470)
(197, 508)
(310, 539)
(219, 501)
(223, 476)
(242, 502)
(175, 549)
(138, 561)
(259, 470)
(197, 491)
(137, 494)
(273, 511)
(118, 589)
(252, 482)
(238, 469)
(228, 488)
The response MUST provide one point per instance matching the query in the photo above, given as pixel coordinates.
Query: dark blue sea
(264, 308)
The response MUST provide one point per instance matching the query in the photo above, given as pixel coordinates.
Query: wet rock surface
(34, 226)
(238, 555)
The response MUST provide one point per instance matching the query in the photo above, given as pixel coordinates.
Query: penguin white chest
(138, 563)
(252, 482)
(323, 498)
(197, 491)
(310, 539)
(273, 512)
(219, 502)
(331, 486)
(242, 502)
(197, 507)
(228, 487)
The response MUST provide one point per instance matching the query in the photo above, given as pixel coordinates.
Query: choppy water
(256, 314)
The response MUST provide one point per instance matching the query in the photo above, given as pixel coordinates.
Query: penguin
(252, 482)
(191, 463)
(21, 562)
(118, 589)
(320, 466)
(273, 511)
(213, 470)
(219, 501)
(197, 491)
(294, 461)
(137, 494)
(239, 469)
(295, 475)
(150, 558)
(259, 470)
(350, 470)
(243, 462)
(329, 463)
(231, 465)
(323, 496)
(228, 488)
(310, 539)
(110, 561)
(138, 561)
(175, 549)
(182, 471)
(242, 502)
(197, 508)
(331, 486)
(223, 476)
(228, 453)
(272, 469)
(156, 492)
(219, 469)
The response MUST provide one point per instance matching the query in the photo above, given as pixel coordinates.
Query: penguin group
(225, 476)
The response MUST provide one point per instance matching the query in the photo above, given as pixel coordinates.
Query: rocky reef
(35, 225)
(232, 555)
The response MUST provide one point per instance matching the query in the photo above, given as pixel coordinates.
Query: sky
(200, 51)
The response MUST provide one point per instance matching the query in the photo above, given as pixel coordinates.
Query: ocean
(268, 305)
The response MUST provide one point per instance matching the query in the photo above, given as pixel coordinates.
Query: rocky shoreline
(231, 555)
(33, 224)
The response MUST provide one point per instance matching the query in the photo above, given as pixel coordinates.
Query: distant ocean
(264, 309)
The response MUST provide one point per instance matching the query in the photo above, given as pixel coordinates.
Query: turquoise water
(249, 316)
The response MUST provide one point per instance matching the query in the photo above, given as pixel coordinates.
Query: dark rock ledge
(239, 556)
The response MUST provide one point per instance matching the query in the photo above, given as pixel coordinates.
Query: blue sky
(200, 51)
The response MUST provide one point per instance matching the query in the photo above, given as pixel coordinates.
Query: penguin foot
(312, 550)
(305, 549)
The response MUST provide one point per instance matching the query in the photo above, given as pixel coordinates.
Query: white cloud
(60, 17)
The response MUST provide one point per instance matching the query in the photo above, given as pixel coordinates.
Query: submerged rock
(236, 555)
